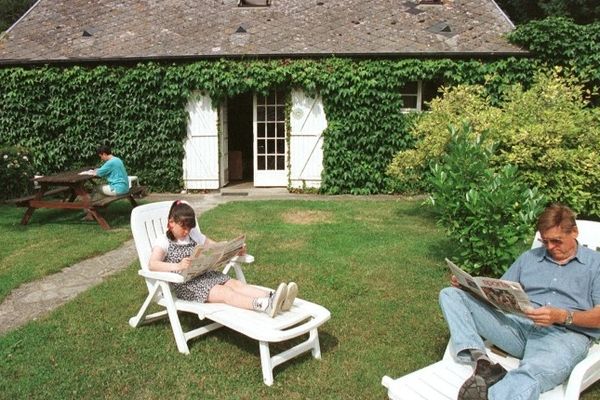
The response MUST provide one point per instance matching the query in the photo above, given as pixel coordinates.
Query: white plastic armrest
(162, 276)
(246, 259)
(579, 379)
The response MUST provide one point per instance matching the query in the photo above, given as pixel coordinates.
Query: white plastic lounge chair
(149, 222)
(443, 379)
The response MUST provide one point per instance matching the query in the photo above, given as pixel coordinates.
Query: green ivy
(62, 113)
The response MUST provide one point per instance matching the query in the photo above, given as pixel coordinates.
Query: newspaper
(505, 295)
(213, 257)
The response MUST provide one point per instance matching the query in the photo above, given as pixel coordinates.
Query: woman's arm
(157, 264)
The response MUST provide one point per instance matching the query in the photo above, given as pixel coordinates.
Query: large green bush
(488, 212)
(16, 171)
(547, 131)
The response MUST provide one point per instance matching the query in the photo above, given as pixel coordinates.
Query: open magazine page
(506, 295)
(466, 281)
(214, 257)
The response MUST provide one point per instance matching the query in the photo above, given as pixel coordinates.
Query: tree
(523, 11)
(11, 11)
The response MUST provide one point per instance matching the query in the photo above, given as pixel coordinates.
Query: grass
(377, 265)
(53, 240)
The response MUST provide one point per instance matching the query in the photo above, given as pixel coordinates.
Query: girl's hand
(184, 264)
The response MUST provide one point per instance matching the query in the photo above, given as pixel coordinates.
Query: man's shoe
(292, 292)
(485, 375)
(276, 300)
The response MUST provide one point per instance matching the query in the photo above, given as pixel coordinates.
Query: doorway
(241, 154)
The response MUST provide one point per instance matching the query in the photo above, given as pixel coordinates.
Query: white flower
(6, 156)
(25, 158)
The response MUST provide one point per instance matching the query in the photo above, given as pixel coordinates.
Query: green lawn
(53, 240)
(377, 265)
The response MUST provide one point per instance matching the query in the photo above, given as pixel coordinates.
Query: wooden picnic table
(70, 182)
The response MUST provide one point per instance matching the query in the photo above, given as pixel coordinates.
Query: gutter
(133, 60)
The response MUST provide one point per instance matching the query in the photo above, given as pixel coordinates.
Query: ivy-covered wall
(62, 113)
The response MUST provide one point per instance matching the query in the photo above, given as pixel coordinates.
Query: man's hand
(546, 316)
(454, 282)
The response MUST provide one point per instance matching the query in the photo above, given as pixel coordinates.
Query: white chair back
(148, 222)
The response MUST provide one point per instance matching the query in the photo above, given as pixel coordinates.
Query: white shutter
(307, 122)
(224, 144)
(201, 161)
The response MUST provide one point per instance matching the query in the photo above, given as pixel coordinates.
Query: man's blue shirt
(574, 285)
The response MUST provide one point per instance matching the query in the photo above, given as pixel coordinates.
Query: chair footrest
(300, 319)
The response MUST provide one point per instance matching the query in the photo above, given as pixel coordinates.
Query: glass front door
(270, 147)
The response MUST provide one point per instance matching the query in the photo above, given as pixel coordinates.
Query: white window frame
(418, 95)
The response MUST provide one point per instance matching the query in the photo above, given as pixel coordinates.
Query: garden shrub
(488, 212)
(16, 171)
(547, 131)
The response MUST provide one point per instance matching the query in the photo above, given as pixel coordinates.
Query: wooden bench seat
(24, 201)
(134, 192)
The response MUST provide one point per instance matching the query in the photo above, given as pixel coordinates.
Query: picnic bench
(70, 185)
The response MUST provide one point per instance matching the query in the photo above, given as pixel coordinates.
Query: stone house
(245, 137)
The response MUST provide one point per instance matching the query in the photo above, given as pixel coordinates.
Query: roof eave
(392, 55)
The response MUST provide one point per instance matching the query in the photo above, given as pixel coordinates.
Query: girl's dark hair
(183, 214)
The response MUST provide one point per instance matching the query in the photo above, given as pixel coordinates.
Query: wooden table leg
(94, 213)
(27, 215)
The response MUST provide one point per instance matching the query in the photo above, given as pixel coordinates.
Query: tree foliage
(547, 131)
(523, 11)
(489, 212)
(11, 11)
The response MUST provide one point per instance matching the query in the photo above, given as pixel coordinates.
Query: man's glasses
(554, 242)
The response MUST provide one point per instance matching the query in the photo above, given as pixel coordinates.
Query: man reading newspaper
(562, 281)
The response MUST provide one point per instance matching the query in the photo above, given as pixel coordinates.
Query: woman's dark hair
(182, 214)
(104, 149)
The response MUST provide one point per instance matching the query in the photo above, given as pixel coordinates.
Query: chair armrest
(162, 276)
(246, 259)
(585, 373)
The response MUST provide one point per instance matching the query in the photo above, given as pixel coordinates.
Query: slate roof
(111, 30)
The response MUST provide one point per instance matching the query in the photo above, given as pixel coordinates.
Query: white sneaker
(292, 292)
(276, 300)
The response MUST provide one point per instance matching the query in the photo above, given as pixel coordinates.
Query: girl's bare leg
(245, 289)
(225, 294)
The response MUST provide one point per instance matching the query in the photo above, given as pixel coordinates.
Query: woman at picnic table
(114, 171)
(171, 253)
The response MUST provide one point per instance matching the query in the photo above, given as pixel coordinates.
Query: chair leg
(265, 362)
(314, 337)
(174, 319)
(141, 315)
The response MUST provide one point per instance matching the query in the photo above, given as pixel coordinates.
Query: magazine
(213, 257)
(505, 295)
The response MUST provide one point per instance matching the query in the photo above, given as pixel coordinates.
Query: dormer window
(254, 3)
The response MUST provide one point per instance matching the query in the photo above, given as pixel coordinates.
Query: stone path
(36, 299)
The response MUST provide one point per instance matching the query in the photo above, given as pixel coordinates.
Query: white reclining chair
(443, 379)
(149, 222)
